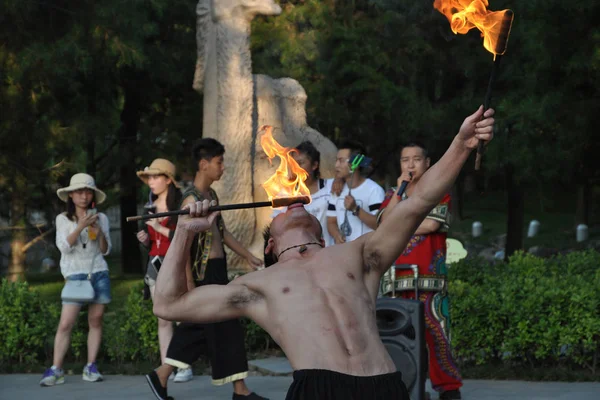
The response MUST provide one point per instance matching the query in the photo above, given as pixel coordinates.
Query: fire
(288, 180)
(465, 15)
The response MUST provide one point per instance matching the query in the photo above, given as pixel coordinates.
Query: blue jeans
(101, 284)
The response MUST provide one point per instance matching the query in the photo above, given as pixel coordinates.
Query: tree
(87, 83)
(547, 95)
(30, 129)
(394, 69)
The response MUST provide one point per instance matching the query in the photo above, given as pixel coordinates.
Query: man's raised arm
(211, 303)
(391, 237)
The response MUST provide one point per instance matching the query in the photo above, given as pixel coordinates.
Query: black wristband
(356, 211)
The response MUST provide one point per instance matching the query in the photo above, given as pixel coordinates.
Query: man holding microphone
(427, 250)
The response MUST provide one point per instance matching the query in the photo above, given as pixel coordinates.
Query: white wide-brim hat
(81, 181)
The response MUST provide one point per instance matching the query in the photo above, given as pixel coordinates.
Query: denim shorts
(100, 283)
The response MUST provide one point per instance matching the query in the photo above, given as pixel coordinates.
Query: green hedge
(530, 311)
(25, 324)
(28, 325)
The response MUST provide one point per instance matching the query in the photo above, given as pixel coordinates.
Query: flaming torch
(288, 180)
(284, 188)
(495, 26)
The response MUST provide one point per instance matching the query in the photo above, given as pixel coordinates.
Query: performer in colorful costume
(427, 250)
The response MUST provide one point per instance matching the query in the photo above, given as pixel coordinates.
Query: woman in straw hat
(82, 236)
(164, 196)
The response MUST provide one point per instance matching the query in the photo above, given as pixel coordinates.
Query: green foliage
(531, 311)
(548, 91)
(380, 71)
(79, 336)
(395, 69)
(28, 325)
(471, 270)
(67, 72)
(25, 325)
(256, 338)
(131, 333)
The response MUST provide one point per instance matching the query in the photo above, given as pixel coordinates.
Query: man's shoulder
(255, 280)
(369, 187)
(372, 184)
(388, 196)
(187, 199)
(324, 187)
(193, 193)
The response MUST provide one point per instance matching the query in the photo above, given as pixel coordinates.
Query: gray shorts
(154, 264)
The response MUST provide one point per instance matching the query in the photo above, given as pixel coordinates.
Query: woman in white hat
(82, 236)
(164, 196)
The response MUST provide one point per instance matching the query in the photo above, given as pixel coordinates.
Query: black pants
(321, 384)
(222, 341)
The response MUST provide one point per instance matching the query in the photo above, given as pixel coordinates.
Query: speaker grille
(394, 322)
(401, 327)
(403, 360)
(410, 333)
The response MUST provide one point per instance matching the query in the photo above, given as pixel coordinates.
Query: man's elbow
(431, 226)
(161, 310)
(371, 222)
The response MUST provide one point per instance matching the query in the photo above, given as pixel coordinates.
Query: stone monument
(237, 103)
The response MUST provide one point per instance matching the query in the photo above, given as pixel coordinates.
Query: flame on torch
(465, 15)
(288, 180)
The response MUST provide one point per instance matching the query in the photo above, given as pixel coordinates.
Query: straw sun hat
(81, 181)
(160, 166)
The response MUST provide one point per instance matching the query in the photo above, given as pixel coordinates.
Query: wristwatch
(356, 211)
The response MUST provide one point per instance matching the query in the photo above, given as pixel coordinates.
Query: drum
(389, 284)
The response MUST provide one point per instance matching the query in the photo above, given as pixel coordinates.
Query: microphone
(403, 186)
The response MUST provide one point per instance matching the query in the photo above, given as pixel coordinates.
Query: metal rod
(282, 202)
(486, 106)
(499, 49)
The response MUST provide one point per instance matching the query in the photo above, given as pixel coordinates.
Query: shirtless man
(318, 303)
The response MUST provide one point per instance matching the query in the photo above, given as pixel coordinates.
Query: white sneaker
(91, 373)
(53, 376)
(184, 375)
(172, 376)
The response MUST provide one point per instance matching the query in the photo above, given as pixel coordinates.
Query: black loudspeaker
(401, 325)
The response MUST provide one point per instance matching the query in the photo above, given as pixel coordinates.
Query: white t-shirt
(369, 196)
(77, 259)
(317, 207)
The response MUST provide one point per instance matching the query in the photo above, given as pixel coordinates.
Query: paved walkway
(115, 387)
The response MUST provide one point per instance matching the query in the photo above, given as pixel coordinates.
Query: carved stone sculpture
(237, 103)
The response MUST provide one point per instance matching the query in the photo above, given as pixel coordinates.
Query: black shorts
(322, 384)
(223, 341)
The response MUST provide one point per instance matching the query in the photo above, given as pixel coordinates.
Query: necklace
(84, 244)
(157, 237)
(302, 248)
